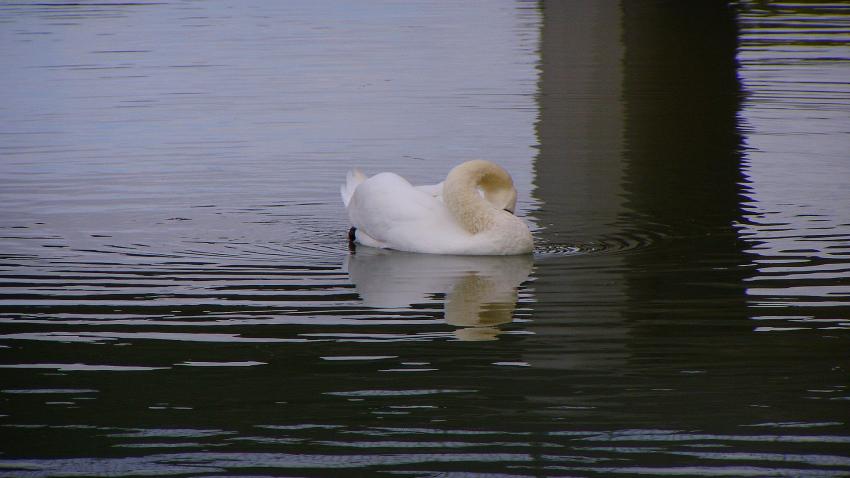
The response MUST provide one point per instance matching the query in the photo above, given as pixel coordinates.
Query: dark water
(178, 298)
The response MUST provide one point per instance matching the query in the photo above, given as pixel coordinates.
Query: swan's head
(501, 198)
(490, 179)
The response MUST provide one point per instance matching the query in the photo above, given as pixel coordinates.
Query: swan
(470, 213)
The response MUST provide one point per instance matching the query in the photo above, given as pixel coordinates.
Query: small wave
(611, 244)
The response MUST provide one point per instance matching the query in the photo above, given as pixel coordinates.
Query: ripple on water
(428, 450)
(622, 242)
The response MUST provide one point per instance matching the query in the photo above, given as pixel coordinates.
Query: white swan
(471, 214)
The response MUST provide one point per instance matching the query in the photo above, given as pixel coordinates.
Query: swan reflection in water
(480, 291)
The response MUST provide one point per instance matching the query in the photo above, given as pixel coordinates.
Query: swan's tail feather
(352, 180)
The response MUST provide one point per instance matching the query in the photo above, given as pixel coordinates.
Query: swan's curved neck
(461, 194)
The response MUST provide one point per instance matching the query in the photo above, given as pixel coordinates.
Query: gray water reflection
(579, 168)
(178, 298)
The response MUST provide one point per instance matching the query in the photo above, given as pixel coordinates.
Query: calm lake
(177, 297)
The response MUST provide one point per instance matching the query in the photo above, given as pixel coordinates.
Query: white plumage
(470, 213)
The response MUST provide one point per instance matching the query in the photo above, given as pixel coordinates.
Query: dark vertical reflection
(579, 177)
(683, 177)
(683, 181)
(580, 129)
(640, 154)
(681, 98)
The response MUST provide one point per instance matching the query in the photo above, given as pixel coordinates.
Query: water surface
(178, 297)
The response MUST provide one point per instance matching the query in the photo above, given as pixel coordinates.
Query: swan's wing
(400, 216)
(435, 190)
(354, 177)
